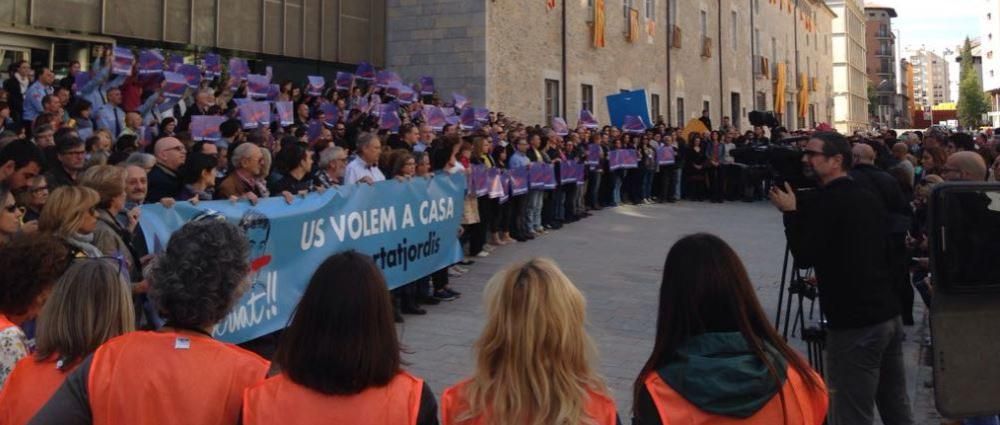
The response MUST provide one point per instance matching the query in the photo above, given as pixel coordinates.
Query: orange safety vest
(802, 405)
(29, 386)
(170, 378)
(599, 406)
(278, 400)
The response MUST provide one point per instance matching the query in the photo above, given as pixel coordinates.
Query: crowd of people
(83, 304)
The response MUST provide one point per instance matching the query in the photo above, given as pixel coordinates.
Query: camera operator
(840, 232)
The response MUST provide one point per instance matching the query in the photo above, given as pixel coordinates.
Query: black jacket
(15, 98)
(840, 231)
(163, 184)
(886, 188)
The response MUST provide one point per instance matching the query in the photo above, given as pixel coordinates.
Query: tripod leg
(781, 288)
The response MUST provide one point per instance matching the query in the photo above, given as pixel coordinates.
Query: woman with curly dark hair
(179, 374)
(31, 266)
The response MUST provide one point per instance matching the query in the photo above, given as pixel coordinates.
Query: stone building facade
(931, 78)
(850, 82)
(881, 63)
(532, 62)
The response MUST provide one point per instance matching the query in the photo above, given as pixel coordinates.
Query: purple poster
(150, 62)
(587, 119)
(174, 85)
(385, 78)
(633, 124)
(426, 86)
(122, 61)
(480, 180)
(496, 186)
(559, 126)
(283, 113)
(330, 114)
(213, 65)
(388, 118)
(435, 117)
(273, 91)
(567, 172)
(406, 94)
(629, 158)
(257, 86)
(615, 160)
(482, 115)
(468, 119)
(316, 84)
(238, 69)
(314, 130)
(80, 80)
(518, 181)
(192, 75)
(365, 71)
(393, 89)
(665, 155)
(253, 114)
(344, 80)
(537, 176)
(174, 61)
(206, 127)
(594, 152)
(459, 101)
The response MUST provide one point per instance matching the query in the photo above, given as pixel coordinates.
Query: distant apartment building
(881, 65)
(931, 78)
(990, 50)
(850, 82)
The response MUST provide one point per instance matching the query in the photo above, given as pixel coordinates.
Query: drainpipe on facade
(564, 82)
(670, 98)
(753, 49)
(722, 101)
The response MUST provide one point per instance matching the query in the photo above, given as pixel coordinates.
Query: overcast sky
(934, 23)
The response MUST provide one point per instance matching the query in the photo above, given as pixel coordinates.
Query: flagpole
(564, 82)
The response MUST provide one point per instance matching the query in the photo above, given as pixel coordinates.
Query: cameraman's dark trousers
(841, 232)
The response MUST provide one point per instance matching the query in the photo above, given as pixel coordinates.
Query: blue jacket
(33, 100)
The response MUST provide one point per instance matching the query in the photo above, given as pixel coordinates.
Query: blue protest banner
(629, 103)
(409, 228)
(122, 61)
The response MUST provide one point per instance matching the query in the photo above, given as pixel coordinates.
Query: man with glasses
(425, 139)
(71, 155)
(163, 180)
(840, 232)
(332, 165)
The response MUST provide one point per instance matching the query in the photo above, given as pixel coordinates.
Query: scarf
(84, 243)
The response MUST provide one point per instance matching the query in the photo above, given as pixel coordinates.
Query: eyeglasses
(810, 154)
(117, 260)
(14, 209)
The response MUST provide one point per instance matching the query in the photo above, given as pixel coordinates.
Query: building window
(551, 99)
(735, 29)
(654, 106)
(760, 103)
(774, 51)
(756, 6)
(650, 9)
(626, 7)
(672, 12)
(706, 106)
(680, 112)
(587, 97)
(704, 24)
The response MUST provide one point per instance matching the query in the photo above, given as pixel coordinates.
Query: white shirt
(359, 169)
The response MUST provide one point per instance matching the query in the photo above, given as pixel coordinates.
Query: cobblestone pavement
(615, 257)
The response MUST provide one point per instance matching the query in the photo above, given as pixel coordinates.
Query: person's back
(280, 400)
(174, 377)
(598, 407)
(29, 385)
(716, 358)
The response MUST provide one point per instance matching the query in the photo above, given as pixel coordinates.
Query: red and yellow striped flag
(598, 23)
(551, 4)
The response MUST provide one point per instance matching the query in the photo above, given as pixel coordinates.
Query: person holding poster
(195, 283)
(340, 357)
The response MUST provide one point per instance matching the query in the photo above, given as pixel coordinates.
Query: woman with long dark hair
(340, 357)
(717, 358)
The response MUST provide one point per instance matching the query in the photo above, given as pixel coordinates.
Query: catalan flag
(599, 23)
(551, 4)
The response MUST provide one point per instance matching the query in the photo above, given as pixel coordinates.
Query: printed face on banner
(406, 232)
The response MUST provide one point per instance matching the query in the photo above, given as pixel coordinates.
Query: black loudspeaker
(763, 119)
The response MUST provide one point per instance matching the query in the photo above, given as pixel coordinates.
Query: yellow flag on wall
(551, 4)
(598, 23)
(803, 94)
(779, 89)
(633, 25)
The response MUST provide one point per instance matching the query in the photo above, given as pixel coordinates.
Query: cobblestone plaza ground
(615, 257)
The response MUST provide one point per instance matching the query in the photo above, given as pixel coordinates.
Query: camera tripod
(801, 290)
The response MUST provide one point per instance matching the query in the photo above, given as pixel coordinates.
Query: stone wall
(445, 39)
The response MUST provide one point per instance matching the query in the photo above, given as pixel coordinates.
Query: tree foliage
(972, 102)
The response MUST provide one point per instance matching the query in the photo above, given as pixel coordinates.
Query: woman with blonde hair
(110, 236)
(91, 303)
(534, 359)
(71, 215)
